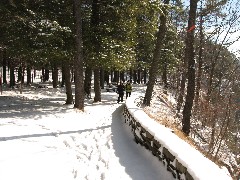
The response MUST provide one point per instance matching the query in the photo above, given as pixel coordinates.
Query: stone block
(143, 130)
(188, 176)
(168, 155)
(180, 167)
(149, 136)
(137, 139)
(156, 144)
(138, 124)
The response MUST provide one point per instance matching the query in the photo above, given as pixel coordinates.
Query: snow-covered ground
(42, 139)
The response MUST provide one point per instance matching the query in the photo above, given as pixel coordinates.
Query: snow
(40, 138)
(199, 166)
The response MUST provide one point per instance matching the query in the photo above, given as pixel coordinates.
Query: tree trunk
(189, 55)
(4, 66)
(210, 82)
(43, 75)
(95, 21)
(106, 77)
(122, 76)
(67, 74)
(23, 75)
(88, 75)
(139, 78)
(63, 75)
(78, 60)
(164, 77)
(145, 76)
(134, 77)
(156, 56)
(131, 75)
(97, 88)
(34, 73)
(182, 86)
(200, 61)
(115, 76)
(102, 78)
(54, 76)
(29, 75)
(212, 136)
(46, 75)
(12, 76)
(88, 80)
(20, 70)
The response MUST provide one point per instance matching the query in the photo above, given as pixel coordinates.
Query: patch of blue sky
(228, 26)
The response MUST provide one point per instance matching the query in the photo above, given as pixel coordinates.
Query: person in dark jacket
(87, 89)
(128, 89)
(120, 91)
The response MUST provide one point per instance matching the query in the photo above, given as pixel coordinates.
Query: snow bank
(181, 159)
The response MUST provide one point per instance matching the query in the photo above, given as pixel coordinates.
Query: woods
(186, 48)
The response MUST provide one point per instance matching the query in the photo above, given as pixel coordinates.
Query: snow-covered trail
(46, 140)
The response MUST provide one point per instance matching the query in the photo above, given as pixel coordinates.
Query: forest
(185, 46)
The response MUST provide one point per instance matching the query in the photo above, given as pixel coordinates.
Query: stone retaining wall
(161, 141)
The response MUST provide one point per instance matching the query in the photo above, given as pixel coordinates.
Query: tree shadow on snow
(19, 108)
(49, 134)
(139, 163)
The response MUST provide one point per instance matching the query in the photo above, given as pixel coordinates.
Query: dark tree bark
(12, 76)
(134, 76)
(106, 77)
(122, 76)
(87, 80)
(131, 75)
(115, 76)
(20, 70)
(95, 20)
(182, 86)
(156, 56)
(200, 62)
(164, 74)
(34, 73)
(78, 60)
(43, 75)
(23, 75)
(4, 66)
(63, 75)
(97, 88)
(111, 77)
(55, 75)
(139, 78)
(102, 80)
(145, 76)
(46, 75)
(29, 75)
(88, 75)
(72, 74)
(190, 57)
(67, 75)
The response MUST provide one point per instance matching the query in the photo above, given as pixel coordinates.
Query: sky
(231, 7)
(40, 138)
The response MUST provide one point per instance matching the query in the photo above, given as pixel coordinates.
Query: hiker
(87, 89)
(128, 88)
(120, 91)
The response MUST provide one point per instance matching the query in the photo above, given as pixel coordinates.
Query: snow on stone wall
(181, 159)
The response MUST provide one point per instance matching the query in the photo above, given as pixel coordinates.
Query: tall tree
(200, 58)
(190, 58)
(78, 61)
(67, 75)
(95, 22)
(157, 53)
